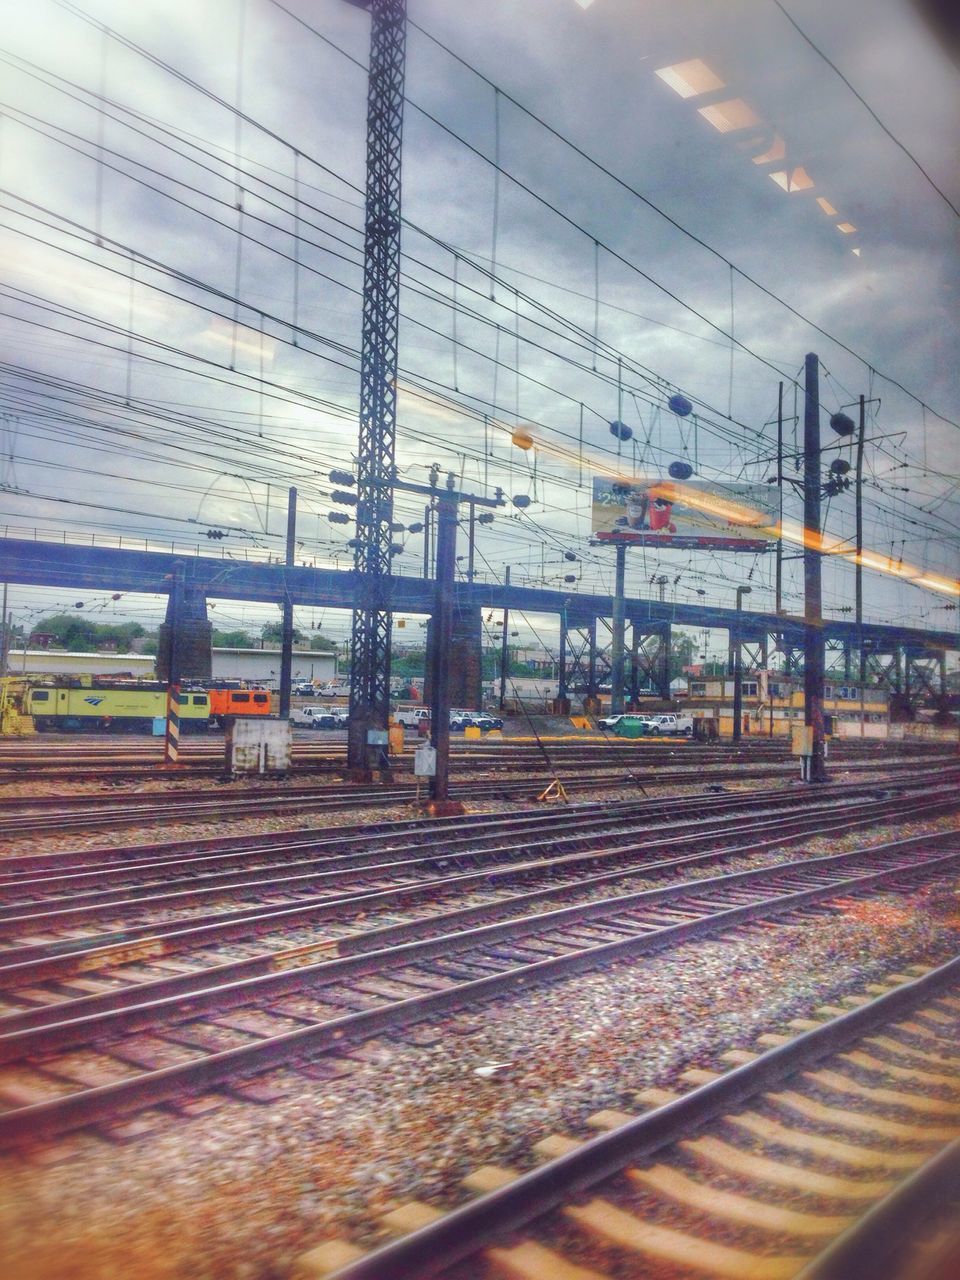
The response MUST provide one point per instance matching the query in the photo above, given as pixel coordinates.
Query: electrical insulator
(342, 477)
(843, 425)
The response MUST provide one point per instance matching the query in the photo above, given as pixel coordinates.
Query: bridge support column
(561, 704)
(651, 648)
(634, 679)
(591, 699)
(465, 680)
(189, 643)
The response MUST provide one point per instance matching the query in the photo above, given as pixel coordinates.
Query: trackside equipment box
(258, 745)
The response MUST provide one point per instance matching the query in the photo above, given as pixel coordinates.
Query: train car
(226, 703)
(130, 707)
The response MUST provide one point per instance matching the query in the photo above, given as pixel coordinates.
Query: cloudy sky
(182, 245)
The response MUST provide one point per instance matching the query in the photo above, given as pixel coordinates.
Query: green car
(630, 727)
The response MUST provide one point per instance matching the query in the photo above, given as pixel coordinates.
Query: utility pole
(779, 586)
(442, 628)
(286, 639)
(471, 538)
(738, 670)
(4, 632)
(427, 525)
(858, 570)
(504, 656)
(616, 648)
(813, 654)
(370, 633)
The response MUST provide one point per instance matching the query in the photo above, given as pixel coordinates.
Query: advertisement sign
(693, 513)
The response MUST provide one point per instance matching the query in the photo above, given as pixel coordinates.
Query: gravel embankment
(236, 1193)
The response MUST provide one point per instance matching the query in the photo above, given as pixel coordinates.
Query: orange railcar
(225, 703)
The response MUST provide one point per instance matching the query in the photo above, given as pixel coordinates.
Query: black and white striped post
(171, 740)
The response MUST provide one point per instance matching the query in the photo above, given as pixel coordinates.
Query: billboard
(685, 514)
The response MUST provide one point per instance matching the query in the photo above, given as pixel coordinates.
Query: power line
(866, 106)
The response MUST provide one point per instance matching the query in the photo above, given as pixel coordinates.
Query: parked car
(330, 720)
(475, 719)
(670, 725)
(305, 690)
(410, 719)
(304, 716)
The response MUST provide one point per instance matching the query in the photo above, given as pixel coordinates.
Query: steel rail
(799, 826)
(464, 1231)
(39, 961)
(174, 806)
(596, 757)
(467, 848)
(226, 808)
(666, 808)
(450, 833)
(161, 1084)
(231, 983)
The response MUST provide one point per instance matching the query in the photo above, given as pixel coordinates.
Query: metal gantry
(370, 635)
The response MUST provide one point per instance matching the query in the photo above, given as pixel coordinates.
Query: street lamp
(738, 669)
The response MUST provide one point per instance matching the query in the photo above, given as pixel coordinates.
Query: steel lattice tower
(370, 639)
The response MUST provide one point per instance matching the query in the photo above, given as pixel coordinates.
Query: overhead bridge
(901, 657)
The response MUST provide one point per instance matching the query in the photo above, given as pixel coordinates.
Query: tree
(323, 644)
(272, 633)
(683, 649)
(232, 639)
(82, 635)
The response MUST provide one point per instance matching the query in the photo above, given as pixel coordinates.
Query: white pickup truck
(411, 717)
(304, 716)
(669, 725)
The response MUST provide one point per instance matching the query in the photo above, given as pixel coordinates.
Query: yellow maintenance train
(129, 707)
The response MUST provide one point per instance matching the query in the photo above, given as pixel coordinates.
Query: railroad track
(139, 870)
(63, 762)
(131, 1054)
(809, 1154)
(39, 814)
(43, 940)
